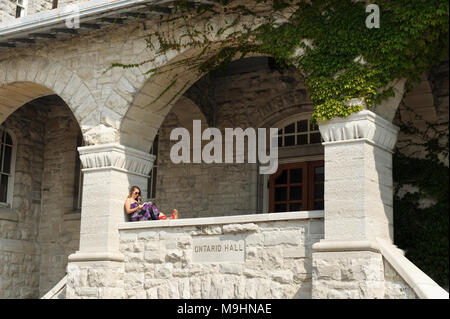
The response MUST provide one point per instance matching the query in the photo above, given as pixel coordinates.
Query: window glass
(295, 207)
(7, 159)
(280, 207)
(280, 194)
(295, 193)
(151, 184)
(318, 205)
(297, 186)
(6, 150)
(296, 175)
(289, 140)
(302, 139)
(302, 126)
(318, 174)
(289, 129)
(21, 6)
(3, 188)
(282, 179)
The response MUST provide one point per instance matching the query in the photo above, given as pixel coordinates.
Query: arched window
(7, 162)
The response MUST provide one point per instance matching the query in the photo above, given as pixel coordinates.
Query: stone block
(154, 256)
(282, 276)
(163, 271)
(294, 252)
(240, 228)
(234, 269)
(290, 237)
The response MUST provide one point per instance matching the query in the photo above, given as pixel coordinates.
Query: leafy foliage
(421, 203)
(327, 41)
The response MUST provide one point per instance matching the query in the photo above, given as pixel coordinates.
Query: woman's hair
(132, 191)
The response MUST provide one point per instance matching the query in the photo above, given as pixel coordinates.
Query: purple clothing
(148, 212)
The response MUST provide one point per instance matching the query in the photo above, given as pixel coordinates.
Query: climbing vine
(421, 219)
(326, 41)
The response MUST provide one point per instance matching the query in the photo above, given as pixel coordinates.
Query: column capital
(116, 156)
(362, 126)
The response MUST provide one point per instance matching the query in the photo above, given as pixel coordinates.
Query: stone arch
(148, 108)
(25, 79)
(186, 110)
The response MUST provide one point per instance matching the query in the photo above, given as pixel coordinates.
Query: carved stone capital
(116, 156)
(362, 126)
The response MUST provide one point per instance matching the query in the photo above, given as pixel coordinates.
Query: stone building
(76, 135)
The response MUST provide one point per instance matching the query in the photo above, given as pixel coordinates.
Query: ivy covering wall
(421, 176)
(331, 43)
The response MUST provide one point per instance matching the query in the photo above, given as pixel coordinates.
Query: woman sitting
(138, 211)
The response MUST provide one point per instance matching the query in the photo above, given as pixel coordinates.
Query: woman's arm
(128, 208)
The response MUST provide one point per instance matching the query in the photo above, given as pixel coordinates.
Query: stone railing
(246, 256)
(422, 285)
(58, 291)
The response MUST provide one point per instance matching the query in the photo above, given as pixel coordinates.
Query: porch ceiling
(94, 14)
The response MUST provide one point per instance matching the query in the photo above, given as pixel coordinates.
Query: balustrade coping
(233, 219)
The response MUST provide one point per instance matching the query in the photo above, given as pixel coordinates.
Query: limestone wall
(38, 232)
(199, 190)
(19, 266)
(59, 226)
(7, 10)
(160, 261)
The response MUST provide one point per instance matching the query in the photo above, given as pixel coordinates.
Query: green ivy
(343, 59)
(422, 230)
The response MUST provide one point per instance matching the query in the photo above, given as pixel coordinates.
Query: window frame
(23, 7)
(151, 191)
(78, 177)
(294, 120)
(11, 176)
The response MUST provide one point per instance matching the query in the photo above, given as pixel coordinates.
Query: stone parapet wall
(357, 275)
(348, 275)
(161, 262)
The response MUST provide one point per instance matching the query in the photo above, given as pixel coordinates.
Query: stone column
(358, 206)
(96, 270)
